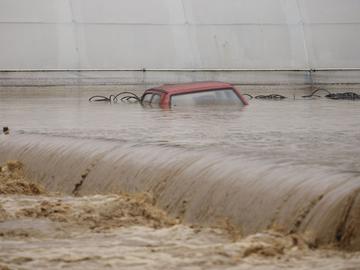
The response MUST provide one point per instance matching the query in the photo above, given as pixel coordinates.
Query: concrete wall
(179, 34)
(116, 34)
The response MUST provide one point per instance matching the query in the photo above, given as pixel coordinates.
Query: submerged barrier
(200, 186)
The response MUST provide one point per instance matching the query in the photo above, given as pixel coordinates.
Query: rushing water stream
(291, 164)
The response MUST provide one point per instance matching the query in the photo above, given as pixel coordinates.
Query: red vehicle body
(163, 95)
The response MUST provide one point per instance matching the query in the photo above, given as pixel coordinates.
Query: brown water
(320, 132)
(292, 166)
(125, 231)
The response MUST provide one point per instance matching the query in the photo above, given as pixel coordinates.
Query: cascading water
(289, 166)
(203, 187)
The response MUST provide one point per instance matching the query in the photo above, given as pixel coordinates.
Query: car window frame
(151, 100)
(144, 96)
(204, 91)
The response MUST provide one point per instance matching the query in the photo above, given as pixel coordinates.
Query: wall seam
(307, 60)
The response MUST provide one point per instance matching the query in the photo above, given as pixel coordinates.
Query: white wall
(160, 34)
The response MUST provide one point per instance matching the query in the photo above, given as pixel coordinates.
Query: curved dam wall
(172, 38)
(200, 188)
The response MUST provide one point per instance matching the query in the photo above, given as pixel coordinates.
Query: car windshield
(210, 97)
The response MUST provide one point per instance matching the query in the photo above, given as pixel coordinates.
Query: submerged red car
(199, 93)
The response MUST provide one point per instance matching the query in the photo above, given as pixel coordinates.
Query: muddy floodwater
(318, 132)
(297, 160)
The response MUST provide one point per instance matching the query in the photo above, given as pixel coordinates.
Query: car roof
(190, 87)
